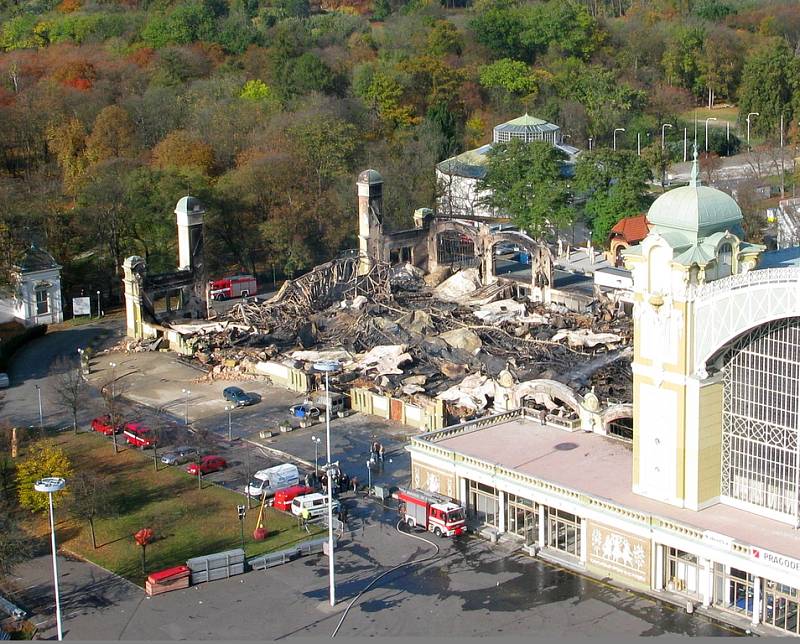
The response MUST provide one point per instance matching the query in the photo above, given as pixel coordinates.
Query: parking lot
(153, 385)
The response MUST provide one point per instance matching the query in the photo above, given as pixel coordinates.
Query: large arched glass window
(760, 418)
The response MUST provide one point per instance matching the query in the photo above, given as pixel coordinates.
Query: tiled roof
(632, 229)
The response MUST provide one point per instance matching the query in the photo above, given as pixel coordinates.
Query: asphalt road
(468, 589)
(32, 365)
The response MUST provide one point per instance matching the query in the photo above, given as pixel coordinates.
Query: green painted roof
(695, 211)
(525, 120)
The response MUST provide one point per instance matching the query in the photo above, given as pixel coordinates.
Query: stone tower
(189, 213)
(370, 217)
(695, 238)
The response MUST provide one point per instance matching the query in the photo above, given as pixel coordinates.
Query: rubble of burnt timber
(393, 335)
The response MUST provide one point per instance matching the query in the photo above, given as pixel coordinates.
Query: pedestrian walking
(355, 484)
(380, 452)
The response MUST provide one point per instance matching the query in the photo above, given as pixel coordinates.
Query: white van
(272, 479)
(315, 503)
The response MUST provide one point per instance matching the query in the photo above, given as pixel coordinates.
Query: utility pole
(685, 130)
(783, 173)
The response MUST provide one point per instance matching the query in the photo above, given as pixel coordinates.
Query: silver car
(180, 455)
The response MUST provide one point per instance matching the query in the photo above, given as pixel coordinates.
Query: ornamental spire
(694, 177)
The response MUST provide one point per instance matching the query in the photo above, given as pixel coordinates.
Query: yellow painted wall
(710, 442)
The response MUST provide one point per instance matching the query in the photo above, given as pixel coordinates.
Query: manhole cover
(564, 447)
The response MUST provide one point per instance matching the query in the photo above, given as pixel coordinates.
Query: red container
(283, 497)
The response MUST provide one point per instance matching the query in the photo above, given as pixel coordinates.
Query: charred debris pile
(397, 333)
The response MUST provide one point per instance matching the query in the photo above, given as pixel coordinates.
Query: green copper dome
(696, 210)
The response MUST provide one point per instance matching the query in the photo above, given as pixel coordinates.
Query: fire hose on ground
(387, 572)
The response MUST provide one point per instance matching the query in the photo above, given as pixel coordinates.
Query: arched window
(724, 260)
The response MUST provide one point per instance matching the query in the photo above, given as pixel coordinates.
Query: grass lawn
(187, 522)
(722, 114)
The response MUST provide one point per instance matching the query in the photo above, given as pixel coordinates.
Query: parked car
(206, 465)
(506, 248)
(304, 410)
(4, 381)
(238, 396)
(103, 425)
(137, 435)
(180, 455)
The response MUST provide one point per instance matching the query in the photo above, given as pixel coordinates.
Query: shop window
(522, 518)
(682, 572)
(483, 504)
(733, 589)
(780, 606)
(563, 532)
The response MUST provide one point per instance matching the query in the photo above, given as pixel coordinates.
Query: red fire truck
(137, 435)
(236, 286)
(434, 512)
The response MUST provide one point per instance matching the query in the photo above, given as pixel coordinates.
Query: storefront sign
(621, 555)
(717, 540)
(774, 559)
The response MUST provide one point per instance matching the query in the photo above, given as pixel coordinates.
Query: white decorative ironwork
(760, 418)
(729, 307)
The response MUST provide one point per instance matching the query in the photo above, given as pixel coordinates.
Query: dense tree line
(111, 110)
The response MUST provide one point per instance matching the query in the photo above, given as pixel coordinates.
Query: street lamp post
(327, 367)
(186, 408)
(99, 312)
(638, 144)
(50, 486)
(663, 127)
(317, 441)
(619, 129)
(710, 118)
(229, 409)
(41, 416)
(590, 144)
(748, 126)
(113, 406)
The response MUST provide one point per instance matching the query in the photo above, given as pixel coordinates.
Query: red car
(207, 465)
(103, 425)
(137, 435)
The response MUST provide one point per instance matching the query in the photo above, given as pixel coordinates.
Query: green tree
(769, 79)
(444, 39)
(43, 459)
(513, 76)
(304, 74)
(68, 142)
(258, 91)
(327, 145)
(615, 183)
(524, 180)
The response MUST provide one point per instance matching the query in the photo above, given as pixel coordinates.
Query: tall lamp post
(710, 118)
(99, 312)
(186, 408)
(590, 144)
(663, 127)
(229, 409)
(50, 486)
(619, 129)
(113, 406)
(327, 367)
(317, 440)
(41, 416)
(748, 126)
